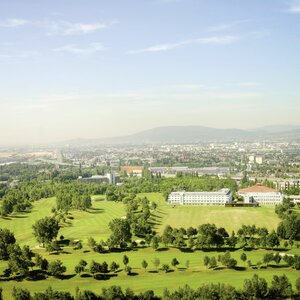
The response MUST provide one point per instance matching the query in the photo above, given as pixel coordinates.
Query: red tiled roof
(258, 188)
(132, 168)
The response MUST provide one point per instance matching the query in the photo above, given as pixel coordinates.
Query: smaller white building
(200, 198)
(261, 194)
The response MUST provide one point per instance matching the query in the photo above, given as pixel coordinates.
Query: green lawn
(229, 218)
(85, 224)
(195, 275)
(95, 223)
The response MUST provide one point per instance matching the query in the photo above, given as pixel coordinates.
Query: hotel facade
(261, 194)
(201, 198)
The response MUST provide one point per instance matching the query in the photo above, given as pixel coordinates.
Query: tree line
(253, 288)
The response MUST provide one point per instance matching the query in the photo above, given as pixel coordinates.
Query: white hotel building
(261, 194)
(200, 198)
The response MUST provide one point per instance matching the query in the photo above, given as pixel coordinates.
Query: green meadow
(227, 217)
(190, 271)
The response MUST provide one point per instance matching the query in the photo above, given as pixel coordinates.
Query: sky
(99, 68)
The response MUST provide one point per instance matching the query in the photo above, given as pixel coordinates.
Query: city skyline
(95, 69)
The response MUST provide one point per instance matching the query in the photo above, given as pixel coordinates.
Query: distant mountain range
(196, 134)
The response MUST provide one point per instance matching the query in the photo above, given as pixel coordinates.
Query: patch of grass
(195, 275)
(230, 218)
(95, 223)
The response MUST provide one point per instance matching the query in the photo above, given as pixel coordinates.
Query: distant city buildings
(261, 194)
(201, 198)
(165, 171)
(255, 159)
(110, 178)
(132, 170)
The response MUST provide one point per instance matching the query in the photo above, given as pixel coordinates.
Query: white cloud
(294, 7)
(225, 26)
(68, 28)
(212, 40)
(88, 50)
(13, 22)
(60, 27)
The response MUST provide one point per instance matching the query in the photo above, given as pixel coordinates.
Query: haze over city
(94, 69)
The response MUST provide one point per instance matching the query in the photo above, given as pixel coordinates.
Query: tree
(156, 262)
(45, 230)
(273, 240)
(191, 232)
(206, 260)
(212, 262)
(165, 268)
(94, 268)
(297, 285)
(114, 266)
(144, 264)
(232, 240)
(155, 242)
(91, 243)
(56, 268)
(174, 262)
(83, 263)
(208, 236)
(243, 257)
(41, 262)
(268, 257)
(121, 234)
(255, 288)
(112, 293)
(52, 294)
(227, 261)
(128, 269)
(7, 238)
(125, 260)
(104, 267)
(17, 262)
(167, 236)
(281, 287)
(21, 294)
(277, 258)
(79, 269)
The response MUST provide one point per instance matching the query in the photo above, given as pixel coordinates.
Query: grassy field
(85, 224)
(95, 223)
(229, 218)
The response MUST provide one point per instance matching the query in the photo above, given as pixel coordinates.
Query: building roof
(258, 188)
(132, 168)
(222, 192)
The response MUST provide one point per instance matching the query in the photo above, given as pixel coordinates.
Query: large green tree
(45, 230)
(7, 238)
(121, 233)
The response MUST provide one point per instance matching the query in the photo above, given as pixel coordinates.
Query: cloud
(212, 40)
(60, 27)
(225, 26)
(14, 22)
(294, 7)
(68, 28)
(88, 50)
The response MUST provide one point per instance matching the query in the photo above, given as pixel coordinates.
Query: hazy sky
(95, 68)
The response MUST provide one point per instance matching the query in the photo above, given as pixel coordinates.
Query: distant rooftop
(220, 192)
(258, 188)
